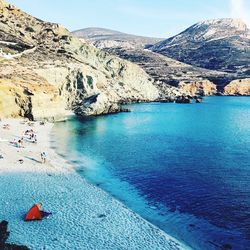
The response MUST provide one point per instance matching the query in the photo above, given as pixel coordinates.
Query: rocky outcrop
(25, 100)
(238, 87)
(198, 88)
(54, 73)
(184, 99)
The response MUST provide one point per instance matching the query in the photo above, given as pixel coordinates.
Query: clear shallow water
(185, 168)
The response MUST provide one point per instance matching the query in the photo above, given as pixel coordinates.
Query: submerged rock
(198, 99)
(183, 99)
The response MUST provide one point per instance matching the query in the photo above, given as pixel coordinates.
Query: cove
(183, 167)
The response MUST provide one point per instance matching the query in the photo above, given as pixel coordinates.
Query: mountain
(103, 38)
(220, 44)
(215, 51)
(46, 72)
(164, 70)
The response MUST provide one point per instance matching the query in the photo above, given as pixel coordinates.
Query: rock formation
(198, 88)
(238, 87)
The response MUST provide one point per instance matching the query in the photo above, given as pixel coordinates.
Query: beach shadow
(32, 159)
(4, 235)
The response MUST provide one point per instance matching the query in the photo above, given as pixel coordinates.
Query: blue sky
(157, 18)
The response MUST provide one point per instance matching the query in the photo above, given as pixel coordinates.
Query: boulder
(183, 99)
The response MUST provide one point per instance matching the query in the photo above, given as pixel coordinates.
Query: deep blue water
(185, 168)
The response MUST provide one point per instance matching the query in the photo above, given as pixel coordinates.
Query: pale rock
(238, 87)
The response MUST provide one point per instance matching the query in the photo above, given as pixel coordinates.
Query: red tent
(34, 213)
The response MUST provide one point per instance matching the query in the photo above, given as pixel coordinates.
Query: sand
(84, 216)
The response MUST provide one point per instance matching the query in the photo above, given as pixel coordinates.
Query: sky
(155, 18)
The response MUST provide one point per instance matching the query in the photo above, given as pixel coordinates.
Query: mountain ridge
(114, 38)
(218, 44)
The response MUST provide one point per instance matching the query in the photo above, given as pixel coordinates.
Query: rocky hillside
(221, 44)
(167, 71)
(216, 51)
(106, 38)
(163, 70)
(45, 71)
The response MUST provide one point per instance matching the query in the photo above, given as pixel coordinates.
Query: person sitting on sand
(14, 143)
(43, 157)
(28, 132)
(20, 143)
(34, 139)
(36, 213)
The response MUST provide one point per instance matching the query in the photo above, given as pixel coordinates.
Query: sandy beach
(83, 216)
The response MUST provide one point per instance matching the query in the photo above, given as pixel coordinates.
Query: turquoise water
(185, 168)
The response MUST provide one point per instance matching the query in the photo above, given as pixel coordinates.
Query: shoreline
(83, 215)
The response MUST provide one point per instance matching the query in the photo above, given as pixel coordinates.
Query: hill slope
(46, 71)
(220, 44)
(167, 71)
(163, 69)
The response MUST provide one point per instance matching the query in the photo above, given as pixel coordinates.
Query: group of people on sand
(6, 126)
(29, 135)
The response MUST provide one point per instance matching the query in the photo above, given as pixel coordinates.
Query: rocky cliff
(198, 88)
(47, 72)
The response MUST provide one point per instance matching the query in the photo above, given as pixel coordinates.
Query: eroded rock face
(198, 88)
(238, 87)
(48, 73)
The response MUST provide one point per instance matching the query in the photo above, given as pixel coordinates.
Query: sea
(183, 167)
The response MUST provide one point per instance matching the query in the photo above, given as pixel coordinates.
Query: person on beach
(19, 143)
(43, 157)
(34, 139)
